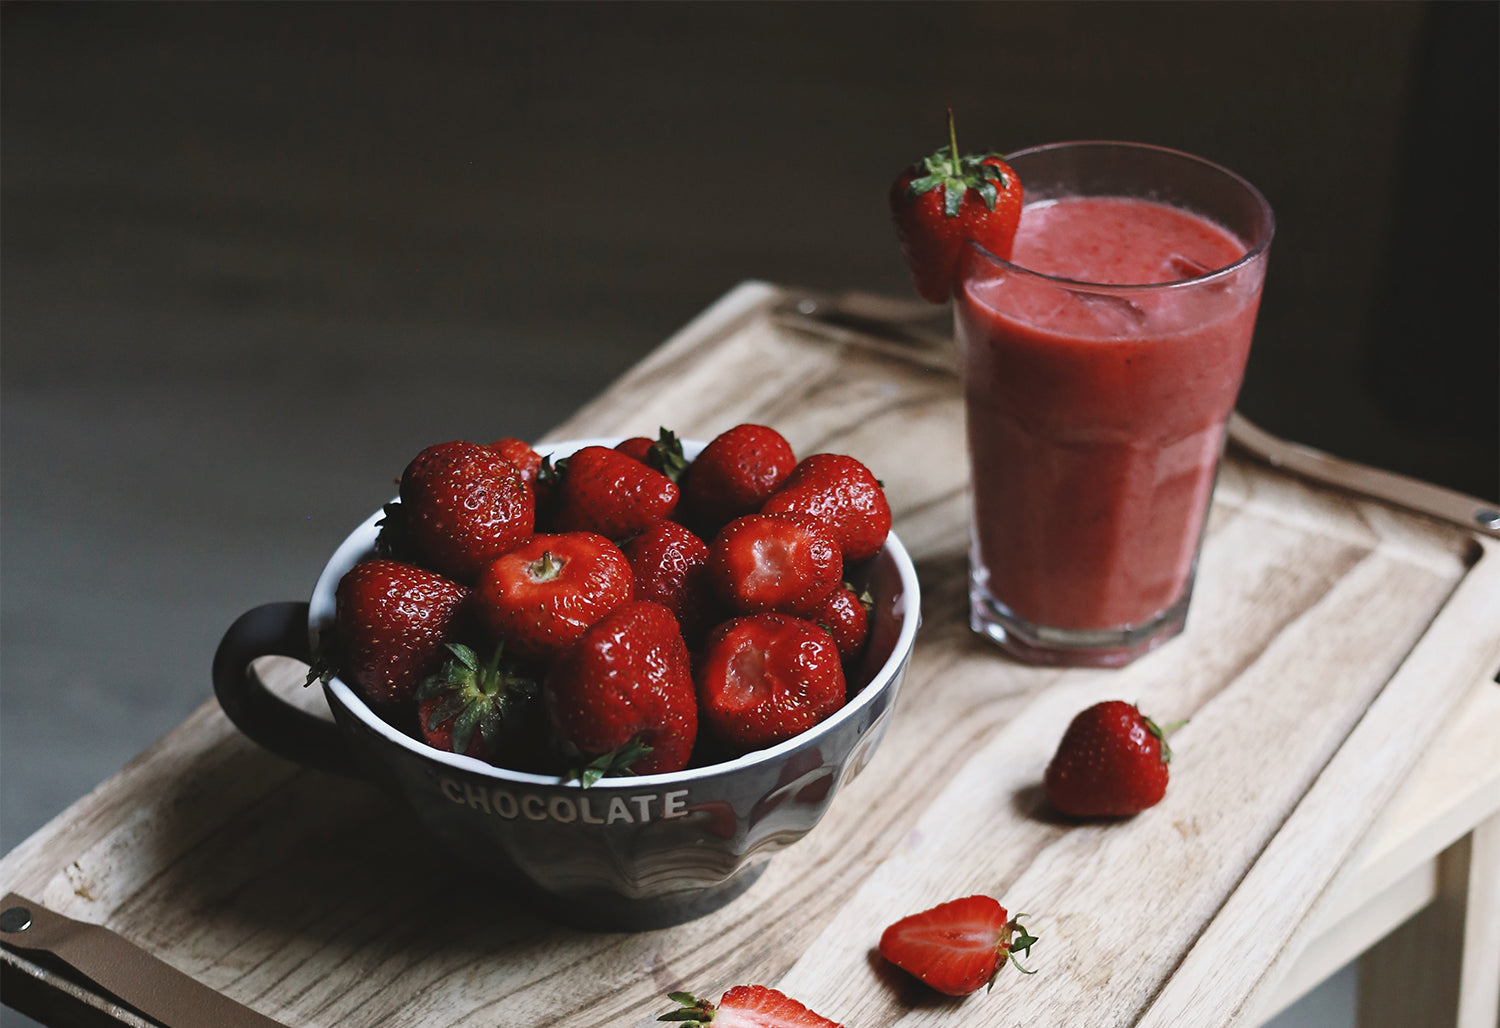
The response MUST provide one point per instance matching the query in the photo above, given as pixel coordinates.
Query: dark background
(255, 257)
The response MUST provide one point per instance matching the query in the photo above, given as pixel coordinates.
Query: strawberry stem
(1022, 940)
(545, 568)
(953, 143)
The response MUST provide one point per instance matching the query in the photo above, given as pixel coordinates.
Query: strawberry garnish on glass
(957, 947)
(946, 200)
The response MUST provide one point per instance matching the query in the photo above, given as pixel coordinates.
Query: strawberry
(519, 452)
(767, 677)
(846, 615)
(605, 491)
(736, 472)
(760, 563)
(487, 711)
(745, 1006)
(393, 620)
(463, 506)
(625, 687)
(670, 566)
(842, 493)
(544, 594)
(1111, 762)
(637, 447)
(947, 200)
(664, 453)
(959, 946)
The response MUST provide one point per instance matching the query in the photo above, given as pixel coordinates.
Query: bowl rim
(359, 544)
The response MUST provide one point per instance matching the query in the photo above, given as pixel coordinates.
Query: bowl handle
(275, 629)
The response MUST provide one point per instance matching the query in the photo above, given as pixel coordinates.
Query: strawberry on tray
(621, 610)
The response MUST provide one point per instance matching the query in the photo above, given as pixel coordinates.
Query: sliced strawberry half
(745, 1006)
(957, 947)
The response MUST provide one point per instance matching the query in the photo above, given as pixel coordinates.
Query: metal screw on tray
(15, 919)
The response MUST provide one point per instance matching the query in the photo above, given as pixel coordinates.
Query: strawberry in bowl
(560, 726)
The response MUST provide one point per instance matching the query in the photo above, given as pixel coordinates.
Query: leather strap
(118, 966)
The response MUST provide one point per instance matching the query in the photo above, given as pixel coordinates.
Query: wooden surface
(1329, 642)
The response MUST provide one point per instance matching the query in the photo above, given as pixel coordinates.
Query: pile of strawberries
(621, 611)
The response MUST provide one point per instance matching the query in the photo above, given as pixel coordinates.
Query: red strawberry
(765, 678)
(1111, 762)
(745, 1006)
(605, 491)
(519, 452)
(957, 947)
(670, 565)
(392, 621)
(544, 594)
(488, 711)
(464, 505)
(842, 493)
(636, 447)
(626, 685)
(788, 564)
(943, 202)
(846, 615)
(736, 472)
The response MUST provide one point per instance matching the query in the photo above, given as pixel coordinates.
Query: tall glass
(1096, 410)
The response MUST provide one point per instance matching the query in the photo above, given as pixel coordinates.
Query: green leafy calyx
(666, 455)
(477, 697)
(955, 174)
(1016, 937)
(614, 764)
(692, 1012)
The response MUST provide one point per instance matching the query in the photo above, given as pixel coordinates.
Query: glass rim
(1254, 253)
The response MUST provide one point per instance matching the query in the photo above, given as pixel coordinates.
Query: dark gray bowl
(625, 853)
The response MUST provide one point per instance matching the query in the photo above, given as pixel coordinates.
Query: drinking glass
(1096, 411)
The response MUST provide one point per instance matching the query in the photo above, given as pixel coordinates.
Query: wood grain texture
(1327, 640)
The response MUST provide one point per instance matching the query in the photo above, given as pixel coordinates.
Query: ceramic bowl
(624, 853)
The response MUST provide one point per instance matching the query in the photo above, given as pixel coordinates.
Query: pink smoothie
(1095, 417)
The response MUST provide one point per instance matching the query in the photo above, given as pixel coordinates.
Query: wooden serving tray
(1329, 639)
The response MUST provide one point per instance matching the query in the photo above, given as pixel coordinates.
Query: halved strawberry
(745, 1006)
(957, 947)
